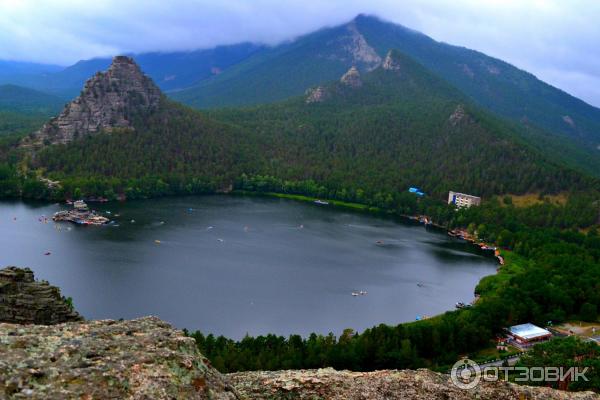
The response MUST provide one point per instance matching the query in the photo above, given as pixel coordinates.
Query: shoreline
(487, 250)
(424, 220)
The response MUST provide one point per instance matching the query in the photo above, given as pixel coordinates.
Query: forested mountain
(23, 110)
(14, 123)
(318, 57)
(491, 83)
(399, 126)
(248, 74)
(24, 100)
(286, 70)
(370, 135)
(546, 117)
(18, 71)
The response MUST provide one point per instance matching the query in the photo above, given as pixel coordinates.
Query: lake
(235, 265)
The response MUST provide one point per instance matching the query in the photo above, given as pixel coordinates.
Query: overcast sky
(557, 40)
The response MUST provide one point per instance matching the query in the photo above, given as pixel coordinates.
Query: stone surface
(569, 121)
(457, 116)
(138, 359)
(109, 100)
(352, 48)
(316, 95)
(26, 301)
(381, 385)
(360, 51)
(391, 62)
(352, 78)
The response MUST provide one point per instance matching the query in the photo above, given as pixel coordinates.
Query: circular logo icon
(465, 374)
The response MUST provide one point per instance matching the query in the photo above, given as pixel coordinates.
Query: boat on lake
(322, 202)
(80, 215)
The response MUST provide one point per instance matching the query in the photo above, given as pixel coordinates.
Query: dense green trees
(566, 353)
(24, 110)
(18, 123)
(396, 131)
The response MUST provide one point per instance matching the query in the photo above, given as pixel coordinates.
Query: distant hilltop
(109, 100)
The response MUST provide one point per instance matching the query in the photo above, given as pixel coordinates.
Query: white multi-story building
(463, 200)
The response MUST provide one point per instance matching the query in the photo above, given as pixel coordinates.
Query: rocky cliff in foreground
(422, 384)
(147, 359)
(137, 359)
(23, 300)
(108, 100)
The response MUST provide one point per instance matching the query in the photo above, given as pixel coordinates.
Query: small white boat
(322, 202)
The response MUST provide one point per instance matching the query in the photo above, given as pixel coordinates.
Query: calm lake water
(233, 265)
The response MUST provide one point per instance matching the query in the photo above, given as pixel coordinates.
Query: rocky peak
(353, 48)
(316, 95)
(568, 120)
(352, 78)
(457, 116)
(143, 358)
(23, 300)
(108, 100)
(392, 61)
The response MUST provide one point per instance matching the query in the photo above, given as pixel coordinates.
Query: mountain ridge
(23, 110)
(170, 70)
(247, 74)
(397, 125)
(548, 117)
(25, 100)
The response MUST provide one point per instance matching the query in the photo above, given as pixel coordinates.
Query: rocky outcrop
(109, 100)
(568, 120)
(359, 49)
(457, 116)
(23, 300)
(468, 71)
(316, 95)
(391, 62)
(320, 94)
(382, 385)
(351, 48)
(137, 359)
(352, 78)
